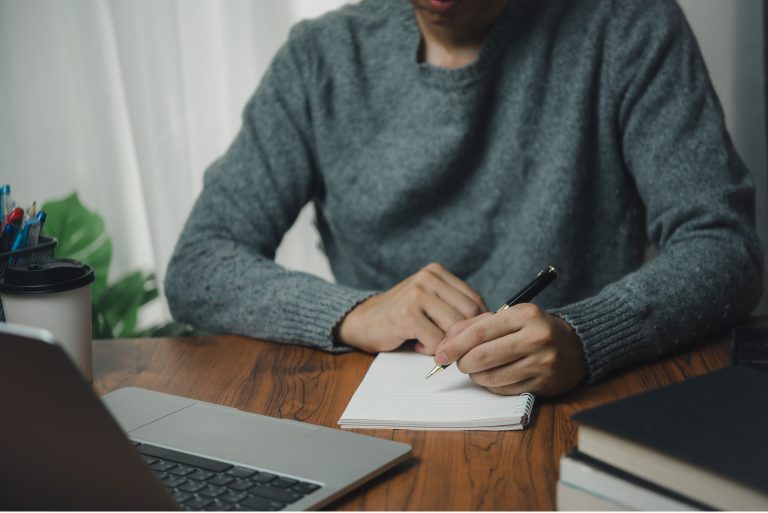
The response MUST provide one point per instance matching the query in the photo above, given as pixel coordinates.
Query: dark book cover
(718, 421)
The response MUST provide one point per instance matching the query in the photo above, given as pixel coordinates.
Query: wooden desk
(449, 470)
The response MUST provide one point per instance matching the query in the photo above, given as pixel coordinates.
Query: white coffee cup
(54, 295)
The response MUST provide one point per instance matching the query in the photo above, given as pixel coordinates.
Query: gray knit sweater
(585, 130)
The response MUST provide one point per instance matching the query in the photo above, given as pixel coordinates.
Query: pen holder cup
(40, 253)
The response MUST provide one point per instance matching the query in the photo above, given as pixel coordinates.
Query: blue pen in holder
(42, 252)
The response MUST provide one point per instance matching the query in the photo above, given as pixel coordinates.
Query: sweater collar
(466, 75)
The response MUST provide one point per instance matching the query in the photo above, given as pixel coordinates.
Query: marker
(34, 232)
(20, 242)
(41, 216)
(539, 283)
(5, 196)
(15, 217)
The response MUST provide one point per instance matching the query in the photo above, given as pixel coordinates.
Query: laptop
(63, 447)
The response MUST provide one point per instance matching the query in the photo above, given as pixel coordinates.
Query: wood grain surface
(513, 470)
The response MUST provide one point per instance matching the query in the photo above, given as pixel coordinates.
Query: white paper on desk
(395, 394)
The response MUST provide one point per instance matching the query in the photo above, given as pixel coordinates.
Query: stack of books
(701, 444)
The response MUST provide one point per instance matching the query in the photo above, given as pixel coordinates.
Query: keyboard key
(181, 457)
(263, 477)
(219, 507)
(174, 481)
(181, 470)
(192, 486)
(149, 460)
(240, 472)
(161, 475)
(212, 491)
(197, 502)
(305, 488)
(275, 493)
(181, 496)
(220, 480)
(283, 482)
(232, 496)
(240, 485)
(261, 504)
(200, 475)
(162, 466)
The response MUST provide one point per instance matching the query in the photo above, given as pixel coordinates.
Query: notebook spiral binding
(526, 407)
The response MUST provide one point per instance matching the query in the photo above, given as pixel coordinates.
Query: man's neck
(457, 45)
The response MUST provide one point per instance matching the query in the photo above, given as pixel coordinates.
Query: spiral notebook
(394, 394)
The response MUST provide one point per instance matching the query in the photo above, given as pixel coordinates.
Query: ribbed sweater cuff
(609, 328)
(312, 322)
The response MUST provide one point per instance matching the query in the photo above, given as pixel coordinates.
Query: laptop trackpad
(223, 433)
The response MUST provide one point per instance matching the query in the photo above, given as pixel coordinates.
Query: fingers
(421, 348)
(494, 353)
(457, 328)
(443, 314)
(445, 300)
(492, 327)
(485, 330)
(544, 355)
(423, 307)
(526, 385)
(455, 291)
(429, 318)
(423, 329)
(462, 325)
(509, 375)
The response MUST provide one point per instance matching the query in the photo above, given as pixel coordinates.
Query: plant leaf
(100, 328)
(121, 301)
(81, 236)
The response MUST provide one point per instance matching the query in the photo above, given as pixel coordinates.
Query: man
(452, 149)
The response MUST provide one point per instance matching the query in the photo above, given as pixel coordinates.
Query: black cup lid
(46, 277)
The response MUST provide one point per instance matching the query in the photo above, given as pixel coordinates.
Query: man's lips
(442, 5)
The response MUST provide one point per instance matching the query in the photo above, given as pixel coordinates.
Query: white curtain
(128, 101)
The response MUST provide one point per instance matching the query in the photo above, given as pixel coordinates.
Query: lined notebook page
(395, 394)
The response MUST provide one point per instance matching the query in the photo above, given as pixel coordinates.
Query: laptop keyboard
(202, 484)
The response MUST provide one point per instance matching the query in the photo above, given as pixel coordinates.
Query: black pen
(539, 283)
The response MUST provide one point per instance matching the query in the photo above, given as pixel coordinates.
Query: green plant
(82, 236)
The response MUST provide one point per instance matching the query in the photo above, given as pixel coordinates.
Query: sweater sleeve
(222, 276)
(698, 195)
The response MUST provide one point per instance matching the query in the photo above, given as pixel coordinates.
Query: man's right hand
(421, 307)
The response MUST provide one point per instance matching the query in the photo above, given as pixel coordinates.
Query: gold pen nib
(434, 371)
